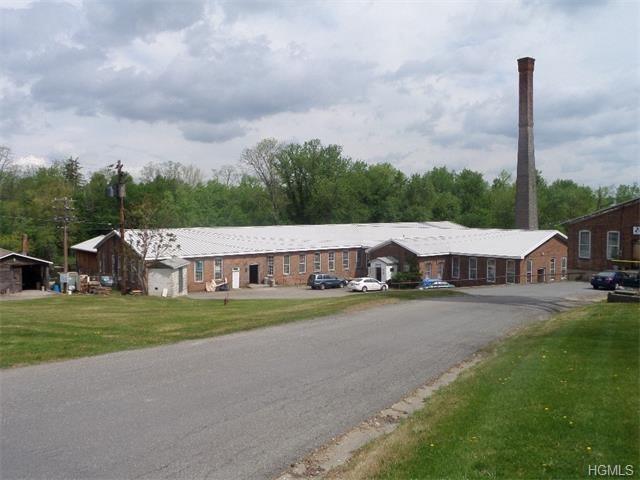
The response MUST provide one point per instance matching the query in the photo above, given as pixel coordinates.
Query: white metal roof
(477, 242)
(422, 238)
(88, 245)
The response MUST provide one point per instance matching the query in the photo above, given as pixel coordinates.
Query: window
(511, 271)
(440, 270)
(552, 267)
(217, 268)
(286, 264)
(359, 258)
(428, 269)
(473, 268)
(491, 270)
(455, 267)
(270, 269)
(345, 260)
(613, 245)
(563, 267)
(584, 244)
(199, 271)
(529, 271)
(317, 266)
(332, 261)
(302, 264)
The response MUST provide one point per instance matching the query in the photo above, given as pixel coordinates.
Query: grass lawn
(547, 403)
(62, 327)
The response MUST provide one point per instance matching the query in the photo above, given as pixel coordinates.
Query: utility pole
(123, 262)
(65, 216)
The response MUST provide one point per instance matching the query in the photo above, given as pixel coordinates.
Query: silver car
(366, 284)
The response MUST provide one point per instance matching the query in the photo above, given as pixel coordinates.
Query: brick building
(606, 239)
(287, 254)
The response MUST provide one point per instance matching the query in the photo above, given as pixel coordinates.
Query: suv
(325, 280)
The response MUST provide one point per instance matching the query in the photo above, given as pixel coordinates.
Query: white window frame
(563, 268)
(286, 264)
(332, 261)
(271, 266)
(473, 268)
(613, 249)
(584, 245)
(511, 271)
(428, 269)
(552, 267)
(217, 268)
(491, 266)
(529, 271)
(317, 262)
(198, 271)
(455, 267)
(345, 260)
(302, 263)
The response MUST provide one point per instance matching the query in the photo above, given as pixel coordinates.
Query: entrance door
(379, 273)
(541, 275)
(235, 278)
(253, 274)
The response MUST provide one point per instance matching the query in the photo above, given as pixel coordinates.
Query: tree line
(272, 183)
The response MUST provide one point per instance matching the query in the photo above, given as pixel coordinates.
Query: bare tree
(262, 159)
(151, 244)
(227, 175)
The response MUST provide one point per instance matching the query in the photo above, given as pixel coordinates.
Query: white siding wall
(161, 278)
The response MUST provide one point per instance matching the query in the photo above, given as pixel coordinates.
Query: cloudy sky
(418, 84)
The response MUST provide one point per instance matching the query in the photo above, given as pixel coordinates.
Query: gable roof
(8, 253)
(422, 238)
(88, 245)
(496, 243)
(603, 211)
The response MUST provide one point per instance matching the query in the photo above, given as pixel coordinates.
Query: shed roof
(603, 211)
(172, 263)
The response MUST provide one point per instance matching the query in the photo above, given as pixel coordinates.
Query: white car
(366, 284)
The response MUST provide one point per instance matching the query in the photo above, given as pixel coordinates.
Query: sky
(417, 84)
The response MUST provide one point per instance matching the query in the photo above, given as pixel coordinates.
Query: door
(254, 274)
(541, 275)
(378, 273)
(235, 278)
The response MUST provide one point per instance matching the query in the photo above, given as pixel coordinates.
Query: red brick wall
(244, 262)
(623, 220)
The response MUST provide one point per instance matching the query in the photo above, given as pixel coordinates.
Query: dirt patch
(340, 449)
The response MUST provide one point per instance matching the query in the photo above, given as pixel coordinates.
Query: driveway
(246, 405)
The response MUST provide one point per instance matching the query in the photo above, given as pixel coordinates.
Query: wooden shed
(20, 272)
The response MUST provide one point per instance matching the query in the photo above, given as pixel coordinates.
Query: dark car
(325, 280)
(632, 280)
(609, 280)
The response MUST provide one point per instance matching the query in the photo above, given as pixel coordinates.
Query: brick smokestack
(25, 244)
(526, 198)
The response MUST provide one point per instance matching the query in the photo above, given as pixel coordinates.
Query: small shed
(383, 268)
(20, 272)
(167, 278)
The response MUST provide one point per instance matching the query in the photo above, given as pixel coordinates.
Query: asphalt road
(246, 405)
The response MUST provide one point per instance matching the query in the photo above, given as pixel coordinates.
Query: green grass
(547, 403)
(65, 327)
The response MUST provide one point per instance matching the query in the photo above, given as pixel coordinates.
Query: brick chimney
(25, 244)
(526, 197)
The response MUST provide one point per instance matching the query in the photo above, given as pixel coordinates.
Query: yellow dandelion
(432, 444)
(589, 449)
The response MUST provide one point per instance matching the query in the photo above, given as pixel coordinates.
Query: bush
(406, 280)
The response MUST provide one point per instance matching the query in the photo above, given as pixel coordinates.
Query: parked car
(609, 280)
(366, 284)
(632, 280)
(433, 283)
(325, 280)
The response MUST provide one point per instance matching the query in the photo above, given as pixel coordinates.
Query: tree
(262, 159)
(150, 243)
(71, 172)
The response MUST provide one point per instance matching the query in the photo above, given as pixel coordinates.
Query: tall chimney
(526, 198)
(25, 244)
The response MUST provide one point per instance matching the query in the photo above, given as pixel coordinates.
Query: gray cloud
(212, 133)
